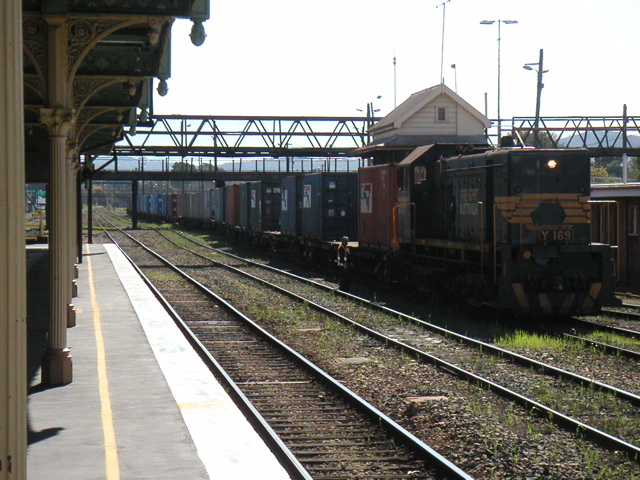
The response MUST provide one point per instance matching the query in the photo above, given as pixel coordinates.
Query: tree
(633, 164)
(613, 165)
(181, 167)
(599, 173)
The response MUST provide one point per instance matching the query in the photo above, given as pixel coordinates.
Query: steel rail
(477, 344)
(559, 418)
(286, 458)
(625, 332)
(611, 349)
(434, 459)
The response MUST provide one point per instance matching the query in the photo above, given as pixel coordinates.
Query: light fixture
(163, 88)
(197, 34)
(552, 164)
(491, 22)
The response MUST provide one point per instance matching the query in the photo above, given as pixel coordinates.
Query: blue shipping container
(329, 204)
(291, 205)
(264, 206)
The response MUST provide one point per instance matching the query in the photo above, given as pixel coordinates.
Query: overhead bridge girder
(239, 136)
(278, 137)
(602, 136)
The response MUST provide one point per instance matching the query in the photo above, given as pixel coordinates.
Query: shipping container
(218, 204)
(206, 209)
(232, 204)
(264, 206)
(162, 204)
(152, 204)
(245, 205)
(172, 205)
(291, 205)
(183, 205)
(378, 196)
(329, 204)
(197, 204)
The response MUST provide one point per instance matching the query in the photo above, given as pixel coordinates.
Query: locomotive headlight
(552, 164)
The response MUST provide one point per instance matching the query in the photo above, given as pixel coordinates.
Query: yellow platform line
(109, 434)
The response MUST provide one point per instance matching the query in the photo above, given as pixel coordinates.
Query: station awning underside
(117, 52)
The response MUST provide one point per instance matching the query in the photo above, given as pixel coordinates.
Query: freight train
(509, 228)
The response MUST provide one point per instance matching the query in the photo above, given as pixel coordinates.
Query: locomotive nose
(548, 213)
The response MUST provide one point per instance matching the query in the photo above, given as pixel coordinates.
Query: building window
(441, 114)
(632, 220)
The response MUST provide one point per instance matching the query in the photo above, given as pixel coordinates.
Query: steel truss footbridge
(602, 136)
(289, 138)
(241, 137)
(266, 136)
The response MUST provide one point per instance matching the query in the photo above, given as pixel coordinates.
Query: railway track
(447, 350)
(626, 323)
(584, 428)
(331, 432)
(575, 325)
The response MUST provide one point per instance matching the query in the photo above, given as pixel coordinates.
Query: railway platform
(142, 405)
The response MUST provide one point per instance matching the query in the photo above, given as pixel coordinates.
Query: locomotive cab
(544, 259)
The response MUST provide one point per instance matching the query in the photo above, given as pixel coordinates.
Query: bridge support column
(89, 211)
(134, 204)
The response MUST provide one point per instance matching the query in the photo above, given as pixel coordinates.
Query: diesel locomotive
(508, 228)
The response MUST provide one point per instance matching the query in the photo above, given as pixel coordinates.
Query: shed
(619, 224)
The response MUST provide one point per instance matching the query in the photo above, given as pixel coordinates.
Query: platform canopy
(116, 53)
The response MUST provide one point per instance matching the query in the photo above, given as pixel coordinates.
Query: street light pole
(491, 22)
(444, 9)
(536, 125)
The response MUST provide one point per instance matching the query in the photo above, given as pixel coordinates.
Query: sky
(332, 58)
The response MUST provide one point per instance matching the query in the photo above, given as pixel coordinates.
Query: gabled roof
(417, 101)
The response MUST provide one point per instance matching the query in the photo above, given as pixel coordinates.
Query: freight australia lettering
(469, 201)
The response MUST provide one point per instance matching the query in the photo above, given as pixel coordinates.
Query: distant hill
(593, 140)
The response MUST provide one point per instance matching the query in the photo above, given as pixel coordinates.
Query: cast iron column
(56, 362)
(13, 282)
